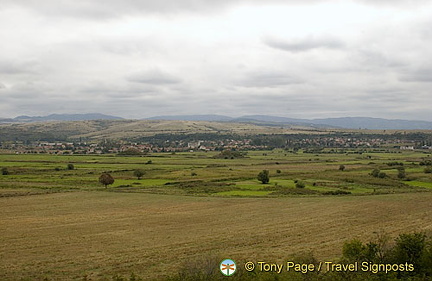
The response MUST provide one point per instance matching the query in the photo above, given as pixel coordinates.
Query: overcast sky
(293, 58)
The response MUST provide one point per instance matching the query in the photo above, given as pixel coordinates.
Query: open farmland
(205, 173)
(101, 234)
(62, 224)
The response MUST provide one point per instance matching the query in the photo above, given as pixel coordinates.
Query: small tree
(106, 179)
(300, 184)
(375, 173)
(412, 248)
(341, 167)
(264, 177)
(4, 171)
(138, 173)
(401, 173)
(70, 167)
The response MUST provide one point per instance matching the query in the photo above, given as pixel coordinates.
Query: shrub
(353, 250)
(264, 177)
(395, 163)
(382, 175)
(426, 163)
(401, 173)
(130, 152)
(138, 173)
(229, 154)
(106, 179)
(428, 170)
(375, 173)
(70, 167)
(341, 167)
(416, 249)
(300, 184)
(4, 171)
(337, 192)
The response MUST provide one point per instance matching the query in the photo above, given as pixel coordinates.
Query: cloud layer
(136, 59)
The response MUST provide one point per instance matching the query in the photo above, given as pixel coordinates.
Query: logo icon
(228, 267)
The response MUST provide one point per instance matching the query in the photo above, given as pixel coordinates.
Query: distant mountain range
(61, 117)
(265, 120)
(342, 122)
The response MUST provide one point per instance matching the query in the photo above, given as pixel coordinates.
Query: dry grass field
(118, 129)
(72, 235)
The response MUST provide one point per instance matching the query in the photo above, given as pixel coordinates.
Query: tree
(353, 250)
(264, 177)
(106, 179)
(4, 171)
(138, 173)
(300, 184)
(401, 173)
(341, 167)
(375, 173)
(413, 248)
(70, 167)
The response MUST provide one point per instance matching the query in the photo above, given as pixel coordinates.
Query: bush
(229, 154)
(138, 173)
(300, 184)
(337, 192)
(401, 173)
(375, 173)
(341, 167)
(70, 167)
(106, 179)
(395, 163)
(426, 163)
(416, 249)
(428, 170)
(4, 171)
(130, 152)
(382, 175)
(264, 177)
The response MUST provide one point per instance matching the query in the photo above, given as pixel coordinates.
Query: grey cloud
(396, 3)
(92, 9)
(370, 57)
(125, 47)
(304, 44)
(2, 86)
(270, 80)
(16, 67)
(116, 89)
(153, 77)
(418, 75)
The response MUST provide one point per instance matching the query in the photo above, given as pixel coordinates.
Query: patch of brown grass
(66, 236)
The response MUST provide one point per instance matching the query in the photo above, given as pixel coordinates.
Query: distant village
(307, 144)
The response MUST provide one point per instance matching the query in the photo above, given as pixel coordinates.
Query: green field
(200, 173)
(62, 224)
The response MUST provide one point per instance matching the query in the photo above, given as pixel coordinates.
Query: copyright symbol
(249, 266)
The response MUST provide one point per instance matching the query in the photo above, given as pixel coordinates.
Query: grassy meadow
(201, 173)
(61, 224)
